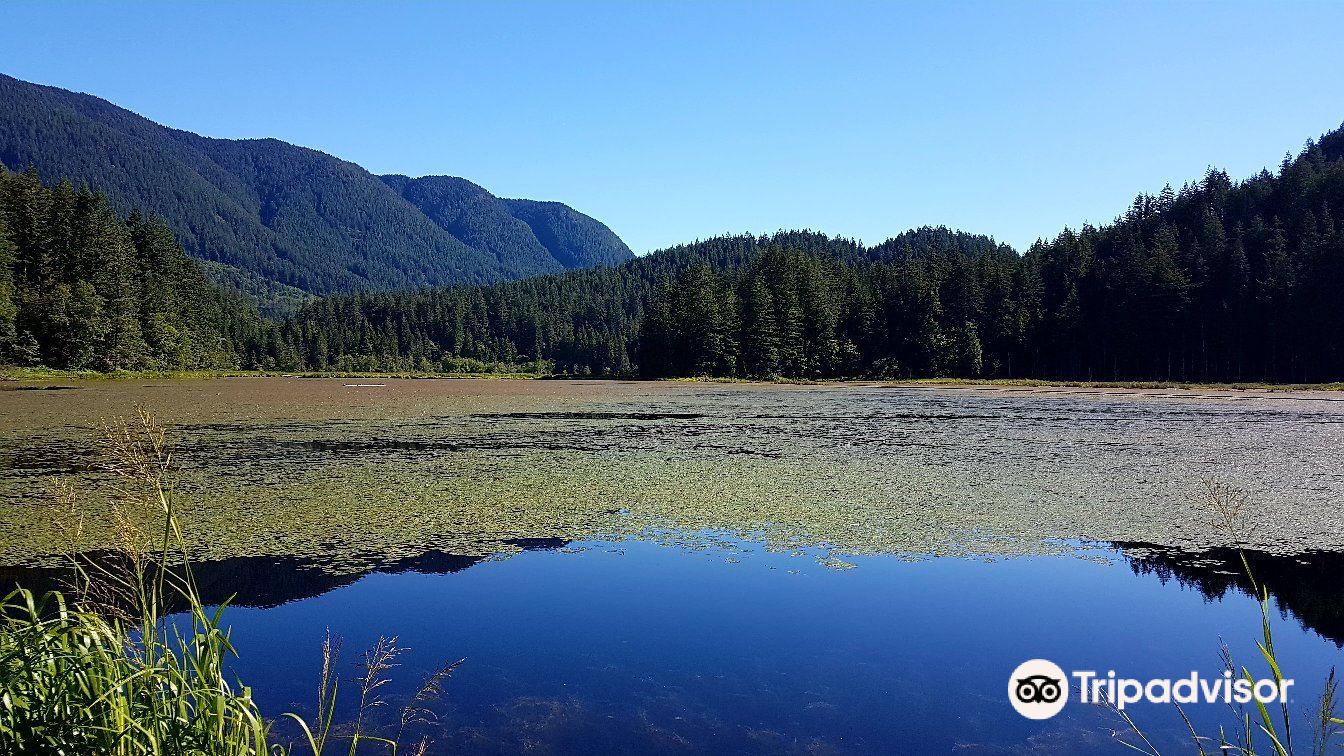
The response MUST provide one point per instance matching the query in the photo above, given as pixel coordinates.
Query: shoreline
(21, 375)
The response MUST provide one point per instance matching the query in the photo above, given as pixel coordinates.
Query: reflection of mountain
(271, 581)
(1307, 585)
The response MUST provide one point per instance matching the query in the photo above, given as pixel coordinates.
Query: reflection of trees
(272, 581)
(1306, 585)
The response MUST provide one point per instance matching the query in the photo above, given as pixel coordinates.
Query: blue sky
(682, 120)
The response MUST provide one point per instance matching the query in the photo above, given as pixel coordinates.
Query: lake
(634, 567)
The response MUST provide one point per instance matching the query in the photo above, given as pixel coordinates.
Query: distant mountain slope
(282, 213)
(571, 237)
(479, 219)
(522, 234)
(927, 240)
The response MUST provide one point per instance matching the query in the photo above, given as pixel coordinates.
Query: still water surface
(634, 647)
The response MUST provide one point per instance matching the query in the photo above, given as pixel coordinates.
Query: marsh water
(724, 568)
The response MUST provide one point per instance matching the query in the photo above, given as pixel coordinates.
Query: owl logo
(1038, 689)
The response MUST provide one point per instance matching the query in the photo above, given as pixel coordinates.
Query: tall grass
(97, 669)
(1253, 730)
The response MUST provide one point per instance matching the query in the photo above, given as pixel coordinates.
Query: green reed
(1254, 730)
(99, 669)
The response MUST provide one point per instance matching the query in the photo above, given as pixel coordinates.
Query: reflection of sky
(646, 648)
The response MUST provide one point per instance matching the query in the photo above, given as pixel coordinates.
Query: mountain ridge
(289, 215)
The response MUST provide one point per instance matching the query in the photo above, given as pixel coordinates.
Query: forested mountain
(282, 214)
(1219, 281)
(81, 287)
(571, 237)
(654, 315)
(526, 237)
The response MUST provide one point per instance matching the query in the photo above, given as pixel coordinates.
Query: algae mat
(353, 474)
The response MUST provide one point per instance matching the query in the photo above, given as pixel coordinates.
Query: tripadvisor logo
(1038, 689)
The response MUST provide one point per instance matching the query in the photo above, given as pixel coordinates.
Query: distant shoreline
(46, 374)
(1136, 385)
(11, 374)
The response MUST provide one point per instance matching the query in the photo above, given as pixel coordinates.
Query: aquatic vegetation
(71, 685)
(378, 662)
(295, 467)
(1258, 729)
(483, 476)
(102, 672)
(105, 669)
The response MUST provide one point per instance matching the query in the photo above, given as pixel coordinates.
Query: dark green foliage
(479, 219)
(526, 237)
(691, 327)
(572, 238)
(291, 216)
(924, 242)
(1219, 281)
(8, 306)
(274, 300)
(82, 288)
(795, 303)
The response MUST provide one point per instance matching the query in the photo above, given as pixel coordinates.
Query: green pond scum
(353, 473)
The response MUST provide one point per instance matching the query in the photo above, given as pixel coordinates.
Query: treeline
(1219, 281)
(83, 288)
(792, 314)
(583, 322)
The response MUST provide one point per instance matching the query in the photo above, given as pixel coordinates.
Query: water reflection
(640, 648)
(266, 582)
(1305, 586)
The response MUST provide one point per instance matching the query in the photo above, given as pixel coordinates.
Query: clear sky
(682, 120)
